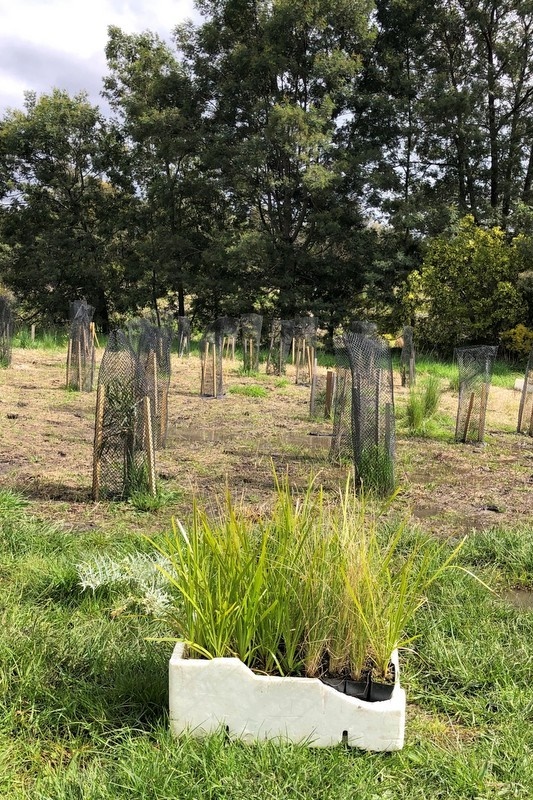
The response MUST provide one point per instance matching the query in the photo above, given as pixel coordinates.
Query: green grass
(422, 404)
(504, 374)
(83, 693)
(44, 339)
(248, 390)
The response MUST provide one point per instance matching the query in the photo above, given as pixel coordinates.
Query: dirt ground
(47, 432)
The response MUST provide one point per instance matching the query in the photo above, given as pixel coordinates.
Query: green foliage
(468, 287)
(316, 587)
(375, 470)
(518, 340)
(84, 693)
(248, 390)
(422, 404)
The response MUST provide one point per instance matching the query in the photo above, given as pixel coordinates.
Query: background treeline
(339, 157)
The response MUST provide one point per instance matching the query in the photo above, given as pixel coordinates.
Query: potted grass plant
(290, 627)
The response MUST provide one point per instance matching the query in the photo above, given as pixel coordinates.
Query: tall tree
(159, 126)
(278, 76)
(55, 204)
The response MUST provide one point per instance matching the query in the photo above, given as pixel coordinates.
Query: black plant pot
(370, 690)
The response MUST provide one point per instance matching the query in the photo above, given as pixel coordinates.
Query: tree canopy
(333, 157)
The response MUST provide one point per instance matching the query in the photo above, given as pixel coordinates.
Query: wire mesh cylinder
(154, 348)
(251, 325)
(6, 331)
(212, 384)
(363, 427)
(123, 450)
(525, 411)
(475, 374)
(81, 353)
(184, 336)
(230, 327)
(304, 348)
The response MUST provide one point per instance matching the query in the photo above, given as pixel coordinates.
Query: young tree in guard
(81, 354)
(184, 336)
(363, 427)
(211, 356)
(281, 337)
(251, 325)
(123, 461)
(304, 348)
(475, 373)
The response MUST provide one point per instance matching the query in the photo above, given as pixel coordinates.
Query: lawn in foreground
(84, 698)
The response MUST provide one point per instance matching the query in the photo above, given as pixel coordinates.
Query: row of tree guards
(295, 337)
(131, 419)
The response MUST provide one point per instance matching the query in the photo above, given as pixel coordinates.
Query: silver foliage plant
(140, 573)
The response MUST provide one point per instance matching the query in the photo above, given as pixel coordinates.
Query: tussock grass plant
(375, 470)
(422, 404)
(315, 588)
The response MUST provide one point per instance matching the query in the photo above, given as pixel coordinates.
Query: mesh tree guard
(6, 331)
(251, 325)
(322, 394)
(281, 337)
(363, 327)
(304, 348)
(211, 357)
(154, 357)
(81, 353)
(475, 373)
(525, 412)
(184, 336)
(123, 460)
(363, 427)
(407, 359)
(229, 340)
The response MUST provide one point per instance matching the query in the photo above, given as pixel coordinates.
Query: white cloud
(60, 43)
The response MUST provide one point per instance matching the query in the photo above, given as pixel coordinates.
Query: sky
(47, 44)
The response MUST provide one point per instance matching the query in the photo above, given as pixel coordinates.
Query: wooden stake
(468, 415)
(153, 359)
(69, 357)
(531, 422)
(149, 445)
(521, 409)
(215, 382)
(164, 415)
(203, 365)
(33, 332)
(330, 379)
(98, 435)
(312, 398)
(309, 360)
(79, 367)
(93, 334)
(483, 411)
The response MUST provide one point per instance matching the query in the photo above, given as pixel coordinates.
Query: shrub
(518, 340)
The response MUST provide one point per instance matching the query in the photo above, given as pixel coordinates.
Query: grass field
(83, 692)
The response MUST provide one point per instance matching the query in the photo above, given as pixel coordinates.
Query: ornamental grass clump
(320, 588)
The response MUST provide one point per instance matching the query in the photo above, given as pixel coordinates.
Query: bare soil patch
(46, 445)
